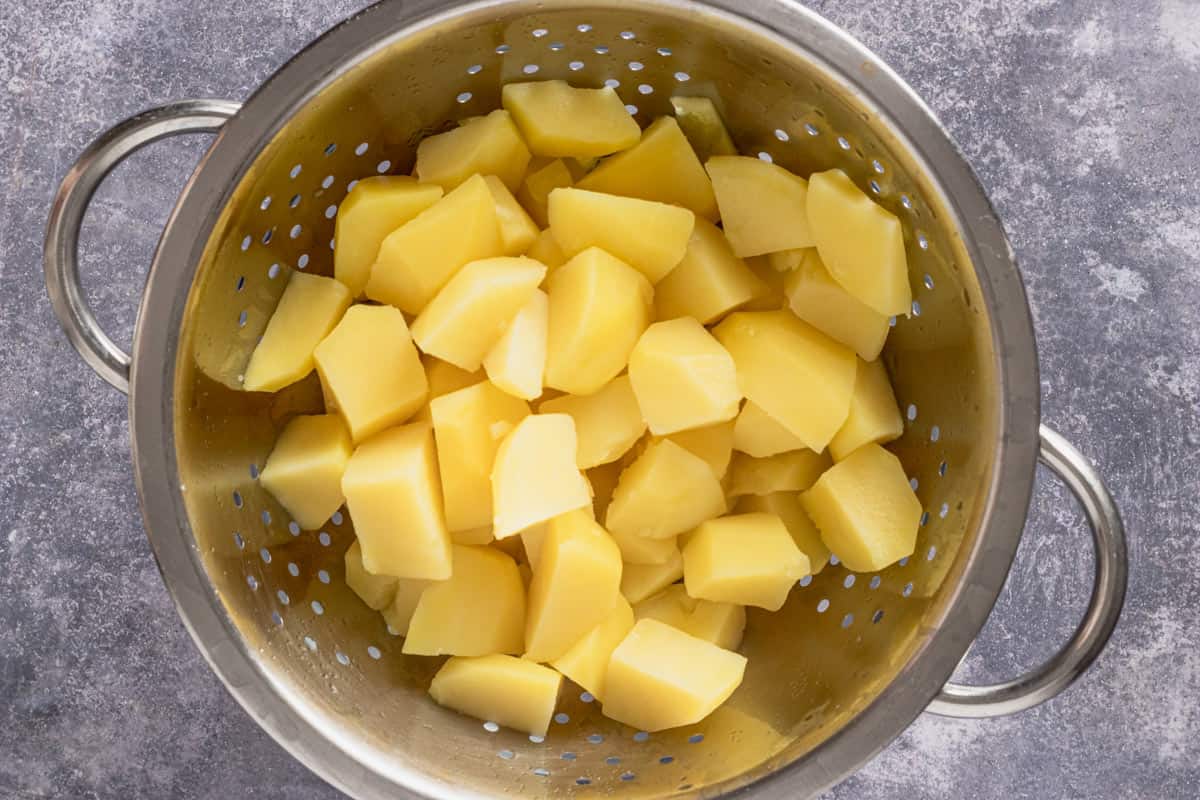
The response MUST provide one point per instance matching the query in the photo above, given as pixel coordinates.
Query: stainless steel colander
(849, 662)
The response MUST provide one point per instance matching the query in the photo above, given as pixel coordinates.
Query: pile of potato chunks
(555, 388)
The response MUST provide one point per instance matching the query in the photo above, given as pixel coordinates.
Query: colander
(848, 663)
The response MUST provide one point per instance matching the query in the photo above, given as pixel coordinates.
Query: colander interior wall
(842, 637)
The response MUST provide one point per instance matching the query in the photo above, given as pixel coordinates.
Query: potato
(757, 434)
(304, 470)
(420, 257)
(559, 120)
(468, 426)
(651, 237)
(603, 480)
(639, 581)
(372, 370)
(535, 477)
(480, 610)
(661, 167)
(445, 377)
(307, 311)
(475, 308)
(399, 613)
(789, 260)
(795, 373)
(531, 540)
(795, 470)
(786, 506)
(683, 378)
(488, 146)
(586, 662)
(607, 422)
(703, 127)
(516, 363)
(665, 492)
(509, 691)
(763, 206)
(480, 535)
(392, 493)
(720, 623)
(747, 559)
(536, 188)
(546, 250)
(709, 282)
(874, 415)
(773, 298)
(576, 585)
(815, 297)
(860, 242)
(866, 537)
(517, 229)
(714, 444)
(638, 550)
(599, 306)
(377, 591)
(660, 677)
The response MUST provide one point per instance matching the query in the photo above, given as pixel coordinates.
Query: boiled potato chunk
(638, 550)
(488, 146)
(786, 506)
(546, 250)
(720, 623)
(665, 492)
(535, 476)
(304, 470)
(758, 434)
(874, 415)
(517, 361)
(763, 206)
(789, 260)
(308, 310)
(480, 610)
(392, 492)
(709, 282)
(660, 677)
(464, 320)
(576, 585)
(865, 536)
(599, 306)
(639, 581)
(702, 125)
(377, 591)
(860, 242)
(714, 444)
(651, 237)
(586, 662)
(773, 298)
(535, 191)
(445, 377)
(683, 378)
(399, 613)
(480, 535)
(372, 370)
(532, 539)
(375, 207)
(607, 422)
(747, 559)
(517, 228)
(792, 371)
(795, 470)
(509, 691)
(558, 120)
(815, 297)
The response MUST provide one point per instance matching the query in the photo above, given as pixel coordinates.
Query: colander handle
(61, 258)
(1104, 607)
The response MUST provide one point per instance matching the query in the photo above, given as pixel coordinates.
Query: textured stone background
(1079, 116)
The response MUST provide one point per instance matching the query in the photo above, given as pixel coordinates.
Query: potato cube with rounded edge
(489, 145)
(702, 125)
(509, 691)
(304, 470)
(586, 662)
(558, 120)
(720, 623)
(399, 613)
(538, 184)
(665, 492)
(660, 677)
(546, 250)
(517, 229)
(708, 282)
(607, 422)
(639, 581)
(713, 443)
(763, 206)
(307, 311)
(795, 470)
(377, 591)
(517, 361)
(786, 506)
(757, 434)
(874, 415)
(535, 477)
(866, 537)
(683, 378)
(374, 208)
(815, 297)
(642, 551)
(747, 559)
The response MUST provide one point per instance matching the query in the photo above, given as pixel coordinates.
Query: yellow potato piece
(531, 540)
(445, 377)
(651, 237)
(860, 242)
(789, 260)
(516, 363)
(757, 434)
(639, 550)
(490, 145)
(546, 250)
(586, 662)
(509, 691)
(720, 623)
(517, 229)
(660, 677)
(372, 370)
(702, 125)
(709, 282)
(464, 320)
(535, 190)
(377, 591)
(792, 371)
(304, 470)
(375, 207)
(392, 493)
(763, 206)
(607, 422)
(786, 506)
(639, 581)
(603, 480)
(535, 477)
(308, 310)
(480, 535)
(665, 492)
(874, 415)
(714, 444)
(815, 297)
(599, 306)
(683, 378)
(558, 120)
(747, 559)
(480, 610)
(773, 297)
(399, 613)
(792, 471)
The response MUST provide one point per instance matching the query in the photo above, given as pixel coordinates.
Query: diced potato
(399, 613)
(513, 546)
(603, 480)
(714, 444)
(599, 306)
(660, 677)
(815, 297)
(683, 378)
(304, 470)
(372, 370)
(546, 250)
(559, 120)
(763, 206)
(786, 506)
(375, 207)
(538, 184)
(860, 242)
(586, 662)
(639, 581)
(526, 574)
(789, 260)
(475, 308)
(392, 493)
(307, 311)
(661, 167)
(607, 422)
(445, 377)
(874, 415)
(509, 691)
(535, 476)
(532, 539)
(866, 537)
(758, 434)
(490, 145)
(720, 623)
(792, 471)
(651, 237)
(641, 551)
(420, 257)
(747, 559)
(480, 535)
(517, 228)
(377, 591)
(480, 610)
(703, 127)
(773, 298)
(576, 585)
(663, 493)
(795, 373)
(517, 361)
(709, 282)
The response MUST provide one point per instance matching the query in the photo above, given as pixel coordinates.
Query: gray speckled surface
(1079, 117)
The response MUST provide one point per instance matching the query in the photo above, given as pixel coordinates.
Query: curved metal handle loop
(71, 203)
(1104, 607)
